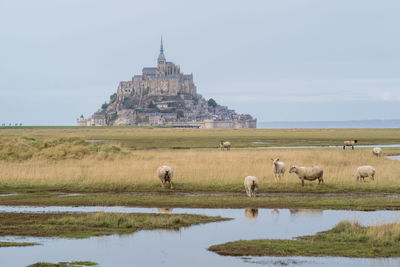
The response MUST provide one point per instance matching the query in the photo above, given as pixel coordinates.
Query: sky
(278, 60)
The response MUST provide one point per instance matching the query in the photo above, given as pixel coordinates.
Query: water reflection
(275, 211)
(251, 213)
(305, 212)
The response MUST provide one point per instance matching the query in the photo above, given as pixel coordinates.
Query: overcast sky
(279, 60)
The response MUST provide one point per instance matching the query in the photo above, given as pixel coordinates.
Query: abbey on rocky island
(164, 96)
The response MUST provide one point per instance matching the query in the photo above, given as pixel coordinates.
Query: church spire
(161, 57)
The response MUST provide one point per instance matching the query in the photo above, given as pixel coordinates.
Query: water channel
(188, 247)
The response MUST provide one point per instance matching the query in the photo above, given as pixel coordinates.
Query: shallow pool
(188, 247)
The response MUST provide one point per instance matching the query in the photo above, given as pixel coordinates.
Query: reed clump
(52, 149)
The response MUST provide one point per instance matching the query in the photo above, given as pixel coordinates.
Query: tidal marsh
(82, 225)
(346, 239)
(150, 137)
(199, 170)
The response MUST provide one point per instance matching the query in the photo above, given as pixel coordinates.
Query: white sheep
(225, 145)
(165, 173)
(349, 143)
(279, 168)
(308, 173)
(377, 151)
(165, 210)
(365, 171)
(251, 185)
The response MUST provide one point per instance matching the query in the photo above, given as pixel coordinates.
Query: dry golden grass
(197, 170)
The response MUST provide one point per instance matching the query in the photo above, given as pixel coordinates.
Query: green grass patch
(83, 225)
(16, 244)
(311, 201)
(64, 264)
(346, 239)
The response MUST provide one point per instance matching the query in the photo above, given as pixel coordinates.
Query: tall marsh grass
(197, 170)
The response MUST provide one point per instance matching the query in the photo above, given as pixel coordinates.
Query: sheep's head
(293, 168)
(275, 160)
(355, 141)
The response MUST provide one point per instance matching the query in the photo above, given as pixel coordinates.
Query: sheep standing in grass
(349, 143)
(251, 185)
(165, 210)
(377, 151)
(225, 145)
(165, 173)
(308, 173)
(279, 168)
(365, 171)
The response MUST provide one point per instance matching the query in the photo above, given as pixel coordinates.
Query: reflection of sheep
(349, 143)
(251, 185)
(165, 173)
(308, 173)
(365, 171)
(279, 168)
(275, 211)
(225, 145)
(305, 211)
(165, 210)
(251, 213)
(377, 151)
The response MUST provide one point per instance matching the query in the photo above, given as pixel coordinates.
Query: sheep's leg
(302, 182)
(162, 184)
(373, 177)
(171, 185)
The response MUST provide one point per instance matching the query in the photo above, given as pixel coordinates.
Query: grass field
(345, 239)
(199, 171)
(59, 159)
(146, 138)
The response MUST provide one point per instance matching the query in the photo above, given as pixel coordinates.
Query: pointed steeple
(161, 56)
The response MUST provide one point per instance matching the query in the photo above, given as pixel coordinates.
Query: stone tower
(161, 58)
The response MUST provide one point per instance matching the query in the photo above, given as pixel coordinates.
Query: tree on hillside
(104, 106)
(211, 103)
(113, 97)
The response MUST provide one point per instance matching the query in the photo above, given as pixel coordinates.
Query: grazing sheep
(165, 173)
(365, 171)
(308, 173)
(349, 143)
(165, 210)
(377, 151)
(251, 185)
(251, 213)
(279, 168)
(225, 145)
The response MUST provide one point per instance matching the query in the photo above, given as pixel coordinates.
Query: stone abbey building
(164, 96)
